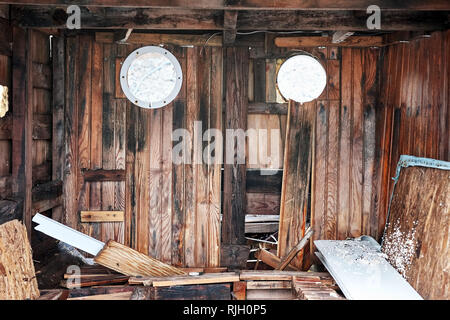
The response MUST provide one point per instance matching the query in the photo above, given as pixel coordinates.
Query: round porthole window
(301, 78)
(151, 77)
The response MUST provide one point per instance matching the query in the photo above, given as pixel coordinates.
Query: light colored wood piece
(269, 284)
(130, 262)
(356, 41)
(276, 275)
(17, 275)
(185, 280)
(102, 216)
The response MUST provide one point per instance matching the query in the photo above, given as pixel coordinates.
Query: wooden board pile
(315, 288)
(284, 285)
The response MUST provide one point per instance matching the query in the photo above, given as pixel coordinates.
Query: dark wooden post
(22, 138)
(234, 251)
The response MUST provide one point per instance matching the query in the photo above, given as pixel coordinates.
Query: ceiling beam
(183, 19)
(304, 42)
(252, 4)
(229, 26)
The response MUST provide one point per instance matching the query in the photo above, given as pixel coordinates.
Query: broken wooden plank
(130, 262)
(17, 280)
(295, 250)
(53, 294)
(75, 282)
(102, 216)
(263, 227)
(271, 259)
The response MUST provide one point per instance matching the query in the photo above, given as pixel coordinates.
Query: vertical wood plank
(70, 186)
(358, 144)
(345, 145)
(370, 92)
(22, 119)
(155, 194)
(58, 117)
(296, 177)
(234, 174)
(178, 213)
(190, 173)
(96, 131)
(108, 137)
(215, 169)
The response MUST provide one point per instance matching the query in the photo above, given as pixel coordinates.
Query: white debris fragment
(400, 248)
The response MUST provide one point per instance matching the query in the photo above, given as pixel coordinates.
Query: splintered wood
(130, 262)
(17, 275)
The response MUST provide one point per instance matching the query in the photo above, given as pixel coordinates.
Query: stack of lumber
(275, 285)
(93, 276)
(17, 274)
(315, 288)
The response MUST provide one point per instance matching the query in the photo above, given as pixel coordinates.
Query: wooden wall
(26, 131)
(5, 122)
(415, 96)
(172, 212)
(344, 192)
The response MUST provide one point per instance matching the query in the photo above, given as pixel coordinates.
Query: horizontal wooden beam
(302, 42)
(251, 4)
(158, 38)
(264, 181)
(211, 19)
(45, 191)
(267, 108)
(103, 175)
(101, 216)
(44, 205)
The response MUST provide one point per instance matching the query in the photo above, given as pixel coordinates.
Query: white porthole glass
(301, 78)
(151, 77)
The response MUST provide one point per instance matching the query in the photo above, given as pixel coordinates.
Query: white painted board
(362, 272)
(67, 235)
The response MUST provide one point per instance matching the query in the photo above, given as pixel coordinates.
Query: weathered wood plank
(234, 170)
(58, 103)
(420, 203)
(132, 263)
(22, 143)
(101, 216)
(302, 42)
(296, 176)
